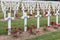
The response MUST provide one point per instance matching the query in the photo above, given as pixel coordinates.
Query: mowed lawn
(49, 36)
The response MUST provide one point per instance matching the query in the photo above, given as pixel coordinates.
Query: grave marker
(3, 9)
(8, 4)
(24, 17)
(16, 8)
(9, 18)
(48, 16)
(57, 14)
(38, 17)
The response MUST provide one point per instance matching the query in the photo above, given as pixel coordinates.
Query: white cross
(31, 11)
(33, 6)
(3, 9)
(28, 6)
(23, 8)
(53, 6)
(48, 16)
(57, 14)
(8, 4)
(15, 10)
(9, 18)
(38, 16)
(25, 18)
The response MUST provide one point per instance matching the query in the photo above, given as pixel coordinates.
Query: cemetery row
(30, 6)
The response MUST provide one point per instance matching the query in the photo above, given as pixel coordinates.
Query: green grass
(49, 36)
(20, 23)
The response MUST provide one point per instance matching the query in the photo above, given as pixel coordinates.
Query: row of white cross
(7, 4)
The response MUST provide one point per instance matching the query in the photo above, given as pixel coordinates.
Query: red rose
(46, 12)
(30, 30)
(30, 15)
(15, 32)
(49, 27)
(53, 23)
(58, 25)
(19, 28)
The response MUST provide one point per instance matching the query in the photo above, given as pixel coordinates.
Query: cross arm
(38, 15)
